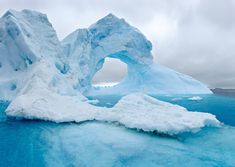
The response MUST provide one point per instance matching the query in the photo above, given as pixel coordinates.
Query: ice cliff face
(113, 37)
(45, 78)
(26, 38)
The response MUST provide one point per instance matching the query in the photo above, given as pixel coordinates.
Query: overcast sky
(195, 37)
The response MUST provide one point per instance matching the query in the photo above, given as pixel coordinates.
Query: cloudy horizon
(195, 37)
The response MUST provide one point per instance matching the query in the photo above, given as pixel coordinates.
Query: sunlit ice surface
(105, 84)
(40, 143)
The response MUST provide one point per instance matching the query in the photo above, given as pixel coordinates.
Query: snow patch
(93, 101)
(195, 98)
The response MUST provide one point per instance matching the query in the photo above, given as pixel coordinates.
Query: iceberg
(115, 38)
(28, 40)
(48, 79)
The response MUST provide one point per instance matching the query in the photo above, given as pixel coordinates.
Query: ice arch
(112, 37)
(109, 37)
(112, 72)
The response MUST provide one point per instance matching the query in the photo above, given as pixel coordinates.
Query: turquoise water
(39, 143)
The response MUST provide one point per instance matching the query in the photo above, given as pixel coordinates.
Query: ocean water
(40, 143)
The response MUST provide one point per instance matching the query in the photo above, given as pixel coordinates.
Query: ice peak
(110, 20)
(26, 14)
(10, 12)
(110, 16)
(27, 37)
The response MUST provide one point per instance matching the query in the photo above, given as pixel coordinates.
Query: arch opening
(112, 73)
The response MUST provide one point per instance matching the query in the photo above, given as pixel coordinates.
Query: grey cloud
(220, 12)
(204, 45)
(113, 71)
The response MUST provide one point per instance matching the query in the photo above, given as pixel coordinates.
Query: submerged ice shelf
(48, 78)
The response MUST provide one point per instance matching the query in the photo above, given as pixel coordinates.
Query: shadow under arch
(133, 69)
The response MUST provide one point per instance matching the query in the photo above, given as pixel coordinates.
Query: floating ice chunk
(149, 114)
(93, 101)
(136, 111)
(195, 98)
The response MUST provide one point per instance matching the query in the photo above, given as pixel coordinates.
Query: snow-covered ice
(136, 111)
(93, 101)
(26, 38)
(195, 98)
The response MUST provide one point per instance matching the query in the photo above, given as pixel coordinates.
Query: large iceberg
(47, 79)
(113, 37)
(27, 38)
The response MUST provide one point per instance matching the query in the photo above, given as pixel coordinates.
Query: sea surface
(34, 143)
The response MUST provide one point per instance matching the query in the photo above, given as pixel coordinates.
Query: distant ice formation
(195, 98)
